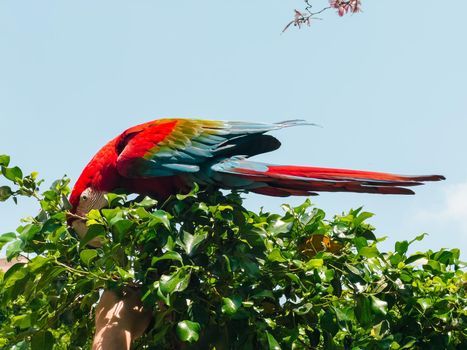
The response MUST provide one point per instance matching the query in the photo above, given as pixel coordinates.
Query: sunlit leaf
(176, 282)
(167, 256)
(231, 305)
(272, 342)
(4, 160)
(12, 173)
(87, 255)
(188, 331)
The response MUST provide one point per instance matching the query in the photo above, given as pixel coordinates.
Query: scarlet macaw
(167, 156)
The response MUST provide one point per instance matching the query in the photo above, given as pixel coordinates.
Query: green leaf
(265, 293)
(126, 275)
(43, 340)
(114, 199)
(94, 217)
(192, 193)
(345, 313)
(401, 247)
(380, 330)
(293, 277)
(22, 321)
(416, 257)
(279, 226)
(13, 249)
(160, 217)
(379, 307)
(362, 217)
(22, 345)
(191, 242)
(425, 303)
(12, 173)
(5, 193)
(221, 207)
(369, 252)
(94, 231)
(360, 242)
(363, 310)
(147, 202)
(419, 238)
(176, 282)
(6, 237)
(28, 232)
(49, 275)
(167, 256)
(314, 264)
(353, 269)
(37, 262)
(396, 259)
(231, 305)
(14, 274)
(432, 264)
(109, 214)
(272, 342)
(188, 331)
(4, 160)
(303, 309)
(87, 255)
(275, 255)
(121, 229)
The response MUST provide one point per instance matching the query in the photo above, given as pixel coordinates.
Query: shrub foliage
(217, 275)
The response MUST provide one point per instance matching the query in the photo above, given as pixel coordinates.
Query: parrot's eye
(84, 196)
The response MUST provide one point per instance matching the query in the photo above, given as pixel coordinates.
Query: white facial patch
(90, 199)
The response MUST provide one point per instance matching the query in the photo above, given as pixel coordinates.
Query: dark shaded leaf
(363, 310)
(94, 231)
(5, 193)
(122, 228)
(42, 341)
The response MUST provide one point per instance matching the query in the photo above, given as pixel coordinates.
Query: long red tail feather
(277, 180)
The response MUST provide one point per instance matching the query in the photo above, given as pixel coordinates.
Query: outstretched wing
(174, 146)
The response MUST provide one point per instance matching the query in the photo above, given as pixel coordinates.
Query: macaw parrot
(166, 156)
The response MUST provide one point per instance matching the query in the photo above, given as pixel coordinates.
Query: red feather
(166, 156)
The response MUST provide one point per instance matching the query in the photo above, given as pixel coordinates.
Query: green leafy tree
(217, 275)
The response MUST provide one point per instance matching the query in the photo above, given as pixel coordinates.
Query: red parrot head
(98, 178)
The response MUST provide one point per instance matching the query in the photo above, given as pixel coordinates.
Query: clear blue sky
(388, 85)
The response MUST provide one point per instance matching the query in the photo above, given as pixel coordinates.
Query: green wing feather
(169, 147)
